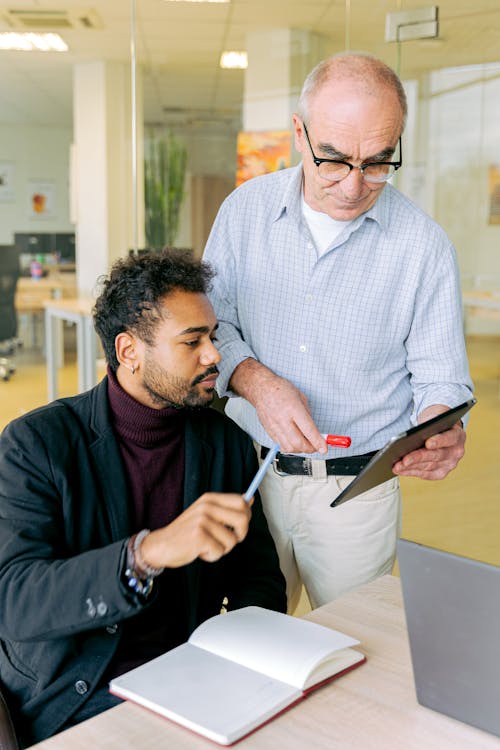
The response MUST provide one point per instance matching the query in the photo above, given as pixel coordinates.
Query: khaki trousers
(330, 550)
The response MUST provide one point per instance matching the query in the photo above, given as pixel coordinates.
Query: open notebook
(238, 670)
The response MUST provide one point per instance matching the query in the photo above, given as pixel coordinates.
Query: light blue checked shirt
(371, 332)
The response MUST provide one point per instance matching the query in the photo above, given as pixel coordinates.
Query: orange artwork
(38, 200)
(494, 213)
(262, 152)
(41, 199)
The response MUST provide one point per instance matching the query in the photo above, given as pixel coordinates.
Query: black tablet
(379, 468)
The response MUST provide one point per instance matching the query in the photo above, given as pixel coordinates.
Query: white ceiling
(179, 45)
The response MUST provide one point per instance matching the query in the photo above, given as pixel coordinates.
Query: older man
(339, 308)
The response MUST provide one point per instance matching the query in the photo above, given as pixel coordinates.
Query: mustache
(211, 371)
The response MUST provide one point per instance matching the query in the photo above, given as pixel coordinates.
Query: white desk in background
(76, 310)
(482, 304)
(372, 708)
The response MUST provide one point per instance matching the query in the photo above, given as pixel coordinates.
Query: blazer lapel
(199, 456)
(109, 466)
(196, 481)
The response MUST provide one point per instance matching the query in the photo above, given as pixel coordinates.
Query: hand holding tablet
(379, 468)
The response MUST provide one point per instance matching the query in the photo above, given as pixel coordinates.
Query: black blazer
(65, 516)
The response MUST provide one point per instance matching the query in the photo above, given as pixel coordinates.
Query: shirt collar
(290, 202)
(379, 212)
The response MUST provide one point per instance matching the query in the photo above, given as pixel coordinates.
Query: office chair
(8, 739)
(9, 274)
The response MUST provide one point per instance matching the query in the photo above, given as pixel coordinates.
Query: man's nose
(210, 354)
(353, 184)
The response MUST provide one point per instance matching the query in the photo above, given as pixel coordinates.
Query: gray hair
(365, 70)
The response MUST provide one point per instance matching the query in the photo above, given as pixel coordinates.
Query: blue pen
(260, 474)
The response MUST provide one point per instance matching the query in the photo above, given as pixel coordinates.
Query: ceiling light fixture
(234, 60)
(9, 40)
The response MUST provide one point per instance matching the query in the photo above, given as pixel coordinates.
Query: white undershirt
(323, 228)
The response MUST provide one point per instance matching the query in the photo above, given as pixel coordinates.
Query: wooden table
(31, 294)
(372, 708)
(77, 310)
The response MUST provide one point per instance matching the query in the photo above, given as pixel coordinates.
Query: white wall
(41, 154)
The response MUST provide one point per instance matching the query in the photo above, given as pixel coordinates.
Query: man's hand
(441, 452)
(208, 529)
(282, 409)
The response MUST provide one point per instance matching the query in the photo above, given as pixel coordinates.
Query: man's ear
(127, 351)
(298, 130)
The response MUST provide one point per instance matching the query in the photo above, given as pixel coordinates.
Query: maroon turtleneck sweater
(152, 446)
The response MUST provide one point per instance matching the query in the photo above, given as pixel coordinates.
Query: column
(102, 168)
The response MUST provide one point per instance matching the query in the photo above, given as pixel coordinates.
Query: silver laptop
(452, 607)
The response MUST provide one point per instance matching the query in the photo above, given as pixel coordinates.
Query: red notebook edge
(305, 694)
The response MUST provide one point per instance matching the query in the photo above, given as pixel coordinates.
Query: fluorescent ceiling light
(9, 40)
(233, 59)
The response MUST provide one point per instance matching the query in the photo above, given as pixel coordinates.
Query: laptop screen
(452, 607)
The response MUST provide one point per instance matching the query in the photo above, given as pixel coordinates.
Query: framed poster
(262, 152)
(41, 199)
(7, 181)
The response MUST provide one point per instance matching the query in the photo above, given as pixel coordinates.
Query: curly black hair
(130, 296)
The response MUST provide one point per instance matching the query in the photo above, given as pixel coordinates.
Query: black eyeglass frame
(317, 161)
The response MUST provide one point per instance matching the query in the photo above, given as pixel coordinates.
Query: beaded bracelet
(138, 575)
(136, 560)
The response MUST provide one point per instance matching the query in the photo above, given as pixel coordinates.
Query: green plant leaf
(165, 160)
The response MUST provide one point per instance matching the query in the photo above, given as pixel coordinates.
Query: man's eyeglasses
(335, 170)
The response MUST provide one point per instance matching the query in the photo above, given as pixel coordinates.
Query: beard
(168, 390)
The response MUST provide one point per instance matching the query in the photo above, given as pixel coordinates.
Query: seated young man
(122, 522)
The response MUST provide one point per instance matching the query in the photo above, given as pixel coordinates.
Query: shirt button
(111, 629)
(81, 687)
(303, 348)
(309, 297)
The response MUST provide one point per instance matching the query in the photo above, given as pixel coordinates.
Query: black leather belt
(286, 463)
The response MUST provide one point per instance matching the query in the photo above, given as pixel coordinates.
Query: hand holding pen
(338, 441)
